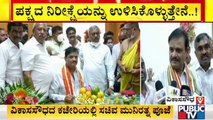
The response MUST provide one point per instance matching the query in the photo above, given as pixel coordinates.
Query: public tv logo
(200, 100)
(196, 111)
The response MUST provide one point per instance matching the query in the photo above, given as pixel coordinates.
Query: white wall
(154, 43)
(82, 27)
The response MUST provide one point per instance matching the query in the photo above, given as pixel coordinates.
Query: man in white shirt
(56, 46)
(74, 42)
(204, 68)
(10, 70)
(64, 88)
(115, 54)
(147, 92)
(96, 61)
(35, 60)
(3, 35)
(178, 70)
(71, 36)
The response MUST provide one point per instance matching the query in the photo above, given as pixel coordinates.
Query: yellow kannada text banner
(208, 10)
(107, 12)
(50, 111)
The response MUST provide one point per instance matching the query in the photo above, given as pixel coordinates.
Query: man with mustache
(67, 83)
(204, 69)
(96, 61)
(178, 70)
(73, 42)
(35, 60)
(10, 70)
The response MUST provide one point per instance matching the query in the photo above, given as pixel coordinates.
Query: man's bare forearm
(28, 80)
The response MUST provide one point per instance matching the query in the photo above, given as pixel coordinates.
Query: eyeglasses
(98, 33)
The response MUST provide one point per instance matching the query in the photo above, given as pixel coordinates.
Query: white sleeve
(114, 57)
(198, 82)
(108, 61)
(81, 57)
(3, 64)
(27, 58)
(54, 89)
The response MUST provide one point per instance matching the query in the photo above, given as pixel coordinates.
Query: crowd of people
(59, 68)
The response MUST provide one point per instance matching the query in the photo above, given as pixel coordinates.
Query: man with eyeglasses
(129, 58)
(96, 62)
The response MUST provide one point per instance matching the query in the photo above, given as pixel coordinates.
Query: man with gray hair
(36, 61)
(204, 69)
(96, 62)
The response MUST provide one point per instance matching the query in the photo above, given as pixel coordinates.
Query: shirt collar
(11, 44)
(197, 65)
(36, 42)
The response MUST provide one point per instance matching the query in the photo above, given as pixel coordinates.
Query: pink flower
(10, 98)
(35, 100)
(29, 100)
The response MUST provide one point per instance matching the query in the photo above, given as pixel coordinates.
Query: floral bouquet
(190, 29)
(20, 94)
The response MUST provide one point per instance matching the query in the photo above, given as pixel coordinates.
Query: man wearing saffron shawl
(129, 59)
(178, 70)
(67, 83)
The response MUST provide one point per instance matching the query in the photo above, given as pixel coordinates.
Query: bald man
(96, 61)
(36, 61)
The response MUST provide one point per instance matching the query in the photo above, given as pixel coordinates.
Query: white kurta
(10, 63)
(57, 89)
(206, 78)
(34, 57)
(78, 45)
(97, 65)
(163, 77)
(58, 53)
(115, 54)
(149, 98)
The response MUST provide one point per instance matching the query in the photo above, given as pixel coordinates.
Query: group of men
(85, 64)
(197, 78)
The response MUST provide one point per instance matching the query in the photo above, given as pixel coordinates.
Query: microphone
(174, 84)
(160, 92)
(173, 91)
(185, 91)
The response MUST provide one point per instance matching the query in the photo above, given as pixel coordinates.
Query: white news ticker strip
(3, 112)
